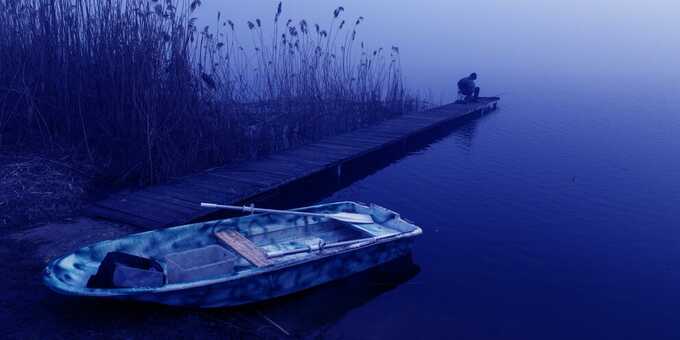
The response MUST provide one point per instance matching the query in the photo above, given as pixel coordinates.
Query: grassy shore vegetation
(137, 92)
(136, 88)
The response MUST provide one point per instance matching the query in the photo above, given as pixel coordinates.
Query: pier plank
(167, 201)
(120, 217)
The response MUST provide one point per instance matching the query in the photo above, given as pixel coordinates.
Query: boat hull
(315, 250)
(281, 281)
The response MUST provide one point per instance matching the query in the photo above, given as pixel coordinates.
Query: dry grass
(38, 188)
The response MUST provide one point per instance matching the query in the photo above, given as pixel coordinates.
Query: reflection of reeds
(140, 90)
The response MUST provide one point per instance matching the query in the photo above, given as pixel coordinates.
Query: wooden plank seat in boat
(244, 247)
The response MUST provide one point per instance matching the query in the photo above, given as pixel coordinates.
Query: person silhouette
(467, 87)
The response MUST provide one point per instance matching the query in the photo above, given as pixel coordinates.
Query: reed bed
(135, 88)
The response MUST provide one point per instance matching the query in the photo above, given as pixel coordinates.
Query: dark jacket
(466, 86)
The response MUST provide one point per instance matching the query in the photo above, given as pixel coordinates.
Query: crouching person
(467, 87)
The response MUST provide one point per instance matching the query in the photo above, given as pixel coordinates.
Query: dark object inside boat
(122, 270)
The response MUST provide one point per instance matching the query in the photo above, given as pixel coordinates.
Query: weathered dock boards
(177, 202)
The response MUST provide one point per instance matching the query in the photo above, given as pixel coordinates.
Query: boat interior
(224, 248)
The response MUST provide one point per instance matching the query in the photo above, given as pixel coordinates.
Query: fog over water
(505, 42)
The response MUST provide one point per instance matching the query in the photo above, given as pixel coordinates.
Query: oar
(353, 243)
(341, 216)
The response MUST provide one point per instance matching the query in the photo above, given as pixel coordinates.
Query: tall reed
(135, 87)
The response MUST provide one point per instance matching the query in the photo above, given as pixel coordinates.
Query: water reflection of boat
(269, 255)
(312, 312)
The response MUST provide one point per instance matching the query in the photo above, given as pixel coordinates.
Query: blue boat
(238, 260)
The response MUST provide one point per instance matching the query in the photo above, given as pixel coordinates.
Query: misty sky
(500, 39)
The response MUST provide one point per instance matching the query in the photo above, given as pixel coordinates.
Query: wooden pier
(178, 202)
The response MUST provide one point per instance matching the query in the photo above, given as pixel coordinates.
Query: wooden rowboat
(240, 260)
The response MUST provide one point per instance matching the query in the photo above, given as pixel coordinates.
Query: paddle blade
(352, 218)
